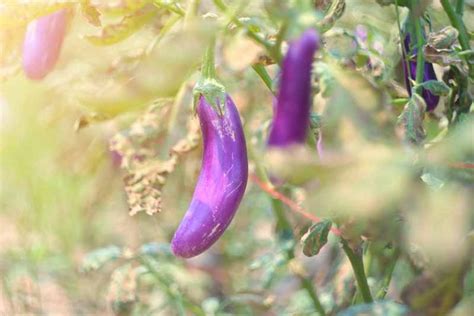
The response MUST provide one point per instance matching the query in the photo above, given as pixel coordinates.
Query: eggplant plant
(409, 68)
(233, 207)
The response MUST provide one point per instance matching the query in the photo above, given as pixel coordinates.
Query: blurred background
(75, 148)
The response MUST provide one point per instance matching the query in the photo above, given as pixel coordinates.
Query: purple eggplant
(42, 44)
(221, 183)
(431, 99)
(291, 118)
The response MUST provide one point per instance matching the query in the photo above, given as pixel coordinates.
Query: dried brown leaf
(441, 56)
(146, 174)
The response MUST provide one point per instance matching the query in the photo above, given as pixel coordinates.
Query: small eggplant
(431, 99)
(291, 118)
(42, 44)
(221, 183)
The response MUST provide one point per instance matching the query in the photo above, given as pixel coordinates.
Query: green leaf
(210, 305)
(432, 181)
(316, 238)
(325, 79)
(114, 33)
(383, 308)
(411, 120)
(91, 13)
(155, 249)
(99, 257)
(443, 39)
(340, 44)
(315, 120)
(436, 87)
(335, 11)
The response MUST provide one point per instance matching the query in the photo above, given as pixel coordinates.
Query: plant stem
(388, 275)
(208, 69)
(369, 259)
(457, 22)
(191, 11)
(308, 286)
(170, 7)
(178, 300)
(269, 47)
(406, 69)
(279, 39)
(283, 226)
(466, 53)
(263, 74)
(358, 268)
(420, 60)
(460, 7)
(455, 17)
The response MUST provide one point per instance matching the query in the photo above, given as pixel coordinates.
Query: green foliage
(99, 257)
(411, 120)
(316, 238)
(436, 87)
(110, 133)
(114, 33)
(386, 308)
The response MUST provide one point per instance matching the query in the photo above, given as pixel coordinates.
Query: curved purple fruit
(291, 119)
(431, 99)
(221, 183)
(42, 44)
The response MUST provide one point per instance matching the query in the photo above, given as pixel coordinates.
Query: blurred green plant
(393, 182)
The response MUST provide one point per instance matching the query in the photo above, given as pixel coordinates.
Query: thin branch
(406, 69)
(289, 202)
(308, 286)
(456, 21)
(461, 165)
(173, 7)
(359, 273)
(388, 275)
(460, 7)
(257, 38)
(263, 74)
(420, 59)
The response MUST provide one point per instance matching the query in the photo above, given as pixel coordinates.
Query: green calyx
(213, 91)
(208, 85)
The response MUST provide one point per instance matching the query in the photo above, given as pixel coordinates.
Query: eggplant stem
(358, 267)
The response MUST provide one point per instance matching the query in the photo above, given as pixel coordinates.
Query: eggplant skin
(42, 44)
(431, 99)
(291, 117)
(221, 183)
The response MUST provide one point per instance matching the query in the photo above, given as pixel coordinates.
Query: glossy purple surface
(221, 183)
(42, 44)
(428, 74)
(291, 118)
